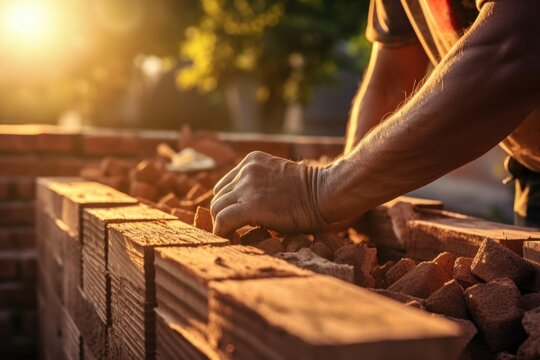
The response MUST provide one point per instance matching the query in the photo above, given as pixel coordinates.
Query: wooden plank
(322, 318)
(426, 238)
(95, 277)
(131, 258)
(183, 275)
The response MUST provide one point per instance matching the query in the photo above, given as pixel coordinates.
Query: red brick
(321, 249)
(446, 261)
(421, 282)
(17, 295)
(270, 246)
(254, 236)
(530, 349)
(203, 219)
(496, 311)
(396, 272)
(8, 266)
(12, 238)
(495, 261)
(148, 172)
(30, 165)
(109, 144)
(13, 143)
(17, 213)
(293, 243)
(448, 300)
(5, 188)
(362, 258)
(462, 272)
(143, 190)
(184, 215)
(57, 143)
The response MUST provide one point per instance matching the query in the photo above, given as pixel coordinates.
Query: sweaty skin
(481, 91)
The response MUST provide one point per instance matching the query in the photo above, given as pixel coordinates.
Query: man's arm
(392, 74)
(482, 90)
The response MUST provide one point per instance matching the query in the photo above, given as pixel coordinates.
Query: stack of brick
(145, 273)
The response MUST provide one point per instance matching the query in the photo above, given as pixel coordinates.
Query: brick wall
(27, 152)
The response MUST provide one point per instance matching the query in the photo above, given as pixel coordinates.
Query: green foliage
(288, 46)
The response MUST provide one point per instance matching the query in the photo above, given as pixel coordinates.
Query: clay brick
(293, 243)
(143, 190)
(17, 295)
(56, 143)
(8, 266)
(448, 300)
(462, 272)
(333, 241)
(282, 312)
(422, 281)
(461, 235)
(131, 255)
(530, 301)
(14, 238)
(495, 309)
(184, 215)
(30, 165)
(320, 248)
(170, 200)
(379, 273)
(396, 272)
(16, 213)
(109, 144)
(530, 349)
(270, 246)
(446, 261)
(203, 219)
(254, 236)
(494, 261)
(362, 258)
(146, 171)
(307, 259)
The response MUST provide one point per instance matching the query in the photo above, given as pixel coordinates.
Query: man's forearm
(480, 92)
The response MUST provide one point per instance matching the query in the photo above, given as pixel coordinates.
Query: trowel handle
(166, 151)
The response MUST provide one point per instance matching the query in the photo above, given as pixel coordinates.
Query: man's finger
(221, 202)
(226, 179)
(231, 218)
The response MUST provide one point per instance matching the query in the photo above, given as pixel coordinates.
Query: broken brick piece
(293, 243)
(271, 246)
(203, 219)
(184, 215)
(170, 200)
(495, 309)
(462, 272)
(196, 191)
(396, 272)
(495, 261)
(530, 301)
(446, 260)
(320, 248)
(143, 190)
(530, 349)
(426, 278)
(254, 235)
(333, 241)
(362, 258)
(379, 273)
(448, 300)
(147, 171)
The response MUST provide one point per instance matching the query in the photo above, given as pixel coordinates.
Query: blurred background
(244, 65)
(271, 66)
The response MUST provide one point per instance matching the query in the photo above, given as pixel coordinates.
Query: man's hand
(271, 192)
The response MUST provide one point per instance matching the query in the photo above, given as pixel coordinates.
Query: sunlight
(27, 21)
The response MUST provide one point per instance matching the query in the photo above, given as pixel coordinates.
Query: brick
(462, 235)
(306, 259)
(446, 261)
(24, 188)
(321, 249)
(56, 143)
(333, 241)
(495, 309)
(530, 349)
(530, 301)
(400, 269)
(8, 266)
(93, 330)
(28, 265)
(283, 311)
(494, 261)
(148, 172)
(170, 200)
(17, 295)
(531, 251)
(16, 213)
(254, 236)
(379, 273)
(16, 143)
(293, 243)
(5, 189)
(143, 190)
(50, 325)
(270, 246)
(190, 271)
(422, 281)
(31, 165)
(95, 275)
(384, 224)
(362, 258)
(185, 216)
(112, 143)
(131, 256)
(462, 272)
(448, 300)
(203, 219)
